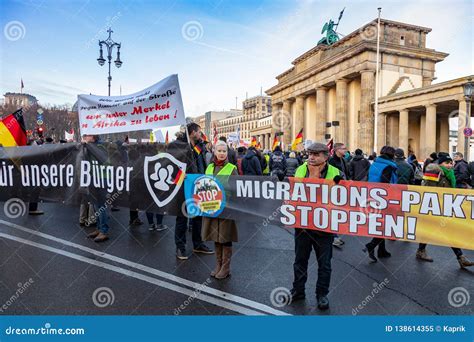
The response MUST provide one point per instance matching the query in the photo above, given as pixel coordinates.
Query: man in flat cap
(316, 166)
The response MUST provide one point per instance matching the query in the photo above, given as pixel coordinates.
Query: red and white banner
(155, 107)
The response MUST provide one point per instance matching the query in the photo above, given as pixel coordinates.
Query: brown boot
(93, 234)
(101, 237)
(464, 262)
(219, 251)
(224, 272)
(421, 254)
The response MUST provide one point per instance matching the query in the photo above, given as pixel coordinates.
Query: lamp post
(109, 44)
(468, 91)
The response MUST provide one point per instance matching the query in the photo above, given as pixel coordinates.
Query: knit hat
(399, 153)
(444, 157)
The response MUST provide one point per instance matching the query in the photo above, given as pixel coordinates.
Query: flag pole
(376, 107)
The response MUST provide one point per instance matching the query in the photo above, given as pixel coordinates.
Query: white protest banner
(157, 106)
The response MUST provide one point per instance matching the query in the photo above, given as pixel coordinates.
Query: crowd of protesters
(391, 165)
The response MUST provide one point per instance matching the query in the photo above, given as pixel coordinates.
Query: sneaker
(323, 303)
(338, 242)
(203, 249)
(161, 227)
(297, 295)
(93, 234)
(181, 254)
(36, 212)
(101, 237)
(152, 227)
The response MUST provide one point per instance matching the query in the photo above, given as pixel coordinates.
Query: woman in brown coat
(222, 231)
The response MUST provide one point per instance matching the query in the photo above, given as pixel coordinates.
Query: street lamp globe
(468, 89)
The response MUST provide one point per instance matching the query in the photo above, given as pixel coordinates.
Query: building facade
(330, 91)
(19, 100)
(254, 120)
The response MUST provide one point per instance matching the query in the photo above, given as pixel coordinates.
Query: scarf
(218, 162)
(449, 173)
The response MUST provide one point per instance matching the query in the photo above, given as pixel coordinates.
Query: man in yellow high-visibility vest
(316, 166)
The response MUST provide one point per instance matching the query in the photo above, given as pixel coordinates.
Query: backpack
(418, 172)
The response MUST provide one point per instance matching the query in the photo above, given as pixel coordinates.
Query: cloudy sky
(221, 49)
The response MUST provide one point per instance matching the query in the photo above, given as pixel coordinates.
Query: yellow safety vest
(267, 168)
(225, 171)
(303, 169)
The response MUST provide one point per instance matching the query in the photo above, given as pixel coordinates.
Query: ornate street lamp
(468, 92)
(109, 44)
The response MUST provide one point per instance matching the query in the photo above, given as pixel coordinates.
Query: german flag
(275, 142)
(298, 140)
(197, 149)
(432, 176)
(204, 137)
(253, 142)
(259, 146)
(179, 177)
(12, 130)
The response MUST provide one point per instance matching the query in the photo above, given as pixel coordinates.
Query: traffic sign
(39, 122)
(467, 132)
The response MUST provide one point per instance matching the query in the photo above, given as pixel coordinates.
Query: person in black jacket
(251, 164)
(470, 168)
(405, 172)
(292, 164)
(359, 167)
(277, 162)
(461, 171)
(196, 164)
(338, 159)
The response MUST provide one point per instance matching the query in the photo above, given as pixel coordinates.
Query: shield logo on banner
(164, 175)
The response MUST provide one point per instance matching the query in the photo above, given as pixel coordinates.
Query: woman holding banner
(222, 231)
(441, 174)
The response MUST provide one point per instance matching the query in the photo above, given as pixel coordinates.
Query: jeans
(181, 229)
(305, 241)
(98, 201)
(159, 218)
